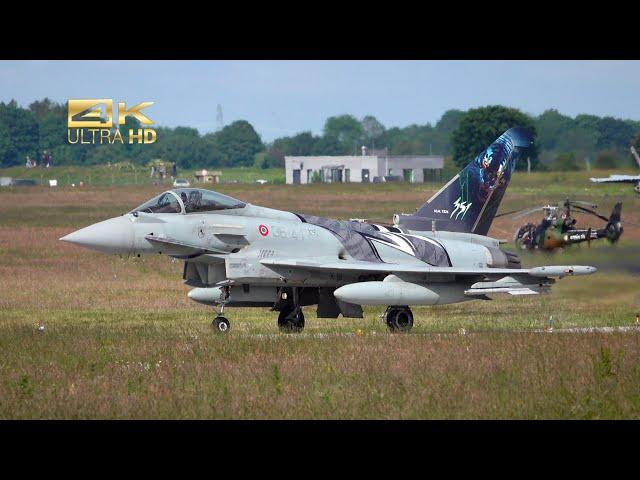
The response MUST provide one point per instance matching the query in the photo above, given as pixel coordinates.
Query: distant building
(206, 176)
(368, 167)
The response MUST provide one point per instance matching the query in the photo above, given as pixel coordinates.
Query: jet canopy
(189, 200)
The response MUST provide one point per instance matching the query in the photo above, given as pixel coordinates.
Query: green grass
(103, 175)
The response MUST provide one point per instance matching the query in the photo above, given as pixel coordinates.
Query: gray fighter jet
(240, 254)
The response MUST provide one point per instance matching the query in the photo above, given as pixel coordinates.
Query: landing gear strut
(290, 318)
(221, 324)
(399, 319)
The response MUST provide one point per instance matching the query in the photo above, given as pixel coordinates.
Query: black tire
(389, 315)
(399, 319)
(291, 320)
(525, 237)
(221, 325)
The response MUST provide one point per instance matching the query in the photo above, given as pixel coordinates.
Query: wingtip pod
(561, 270)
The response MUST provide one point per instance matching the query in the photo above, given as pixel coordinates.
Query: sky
(282, 98)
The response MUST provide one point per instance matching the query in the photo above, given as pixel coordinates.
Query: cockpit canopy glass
(192, 200)
(166, 202)
(200, 200)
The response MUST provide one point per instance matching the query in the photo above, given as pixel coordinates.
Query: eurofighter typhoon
(240, 254)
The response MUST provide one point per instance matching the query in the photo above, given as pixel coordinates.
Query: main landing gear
(399, 319)
(291, 319)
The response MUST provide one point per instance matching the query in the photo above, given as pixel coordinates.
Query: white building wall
(378, 166)
(355, 164)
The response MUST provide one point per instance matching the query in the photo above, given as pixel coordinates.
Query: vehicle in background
(17, 182)
(388, 178)
(181, 183)
(262, 181)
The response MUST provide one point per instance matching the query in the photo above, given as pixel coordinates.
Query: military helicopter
(557, 229)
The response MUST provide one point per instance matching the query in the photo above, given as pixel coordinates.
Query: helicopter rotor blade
(527, 211)
(583, 203)
(591, 212)
(506, 213)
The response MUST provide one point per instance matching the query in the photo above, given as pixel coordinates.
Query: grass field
(123, 341)
(121, 175)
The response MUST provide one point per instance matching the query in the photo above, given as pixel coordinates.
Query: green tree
(53, 130)
(238, 143)
(300, 144)
(21, 128)
(181, 145)
(347, 130)
(372, 129)
(551, 125)
(41, 108)
(590, 124)
(578, 140)
(329, 146)
(614, 134)
(606, 159)
(481, 126)
(566, 162)
(449, 121)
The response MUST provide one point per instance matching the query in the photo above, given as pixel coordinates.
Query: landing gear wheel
(399, 319)
(221, 324)
(291, 320)
(525, 237)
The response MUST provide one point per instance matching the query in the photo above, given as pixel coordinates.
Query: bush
(566, 162)
(606, 159)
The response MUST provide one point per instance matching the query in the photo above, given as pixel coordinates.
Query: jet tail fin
(469, 202)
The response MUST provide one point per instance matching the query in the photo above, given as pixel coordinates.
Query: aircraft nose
(115, 235)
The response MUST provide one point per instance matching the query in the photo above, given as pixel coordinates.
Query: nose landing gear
(221, 324)
(399, 319)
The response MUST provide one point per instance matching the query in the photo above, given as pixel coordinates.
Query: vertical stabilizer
(471, 199)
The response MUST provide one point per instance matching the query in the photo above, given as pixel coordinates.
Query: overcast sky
(286, 97)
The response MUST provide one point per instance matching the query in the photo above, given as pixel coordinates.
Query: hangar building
(368, 167)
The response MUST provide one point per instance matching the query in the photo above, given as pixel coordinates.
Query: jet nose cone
(115, 235)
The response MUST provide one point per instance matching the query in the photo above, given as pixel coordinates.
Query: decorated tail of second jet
(471, 199)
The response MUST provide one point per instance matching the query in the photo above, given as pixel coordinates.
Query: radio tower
(219, 120)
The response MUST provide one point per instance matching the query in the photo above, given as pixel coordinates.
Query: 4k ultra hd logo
(92, 121)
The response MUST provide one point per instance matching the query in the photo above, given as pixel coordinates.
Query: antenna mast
(219, 118)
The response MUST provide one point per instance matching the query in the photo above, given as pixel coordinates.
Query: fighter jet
(240, 254)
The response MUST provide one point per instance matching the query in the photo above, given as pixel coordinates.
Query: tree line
(562, 142)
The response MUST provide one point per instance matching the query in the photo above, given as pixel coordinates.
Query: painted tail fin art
(471, 199)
